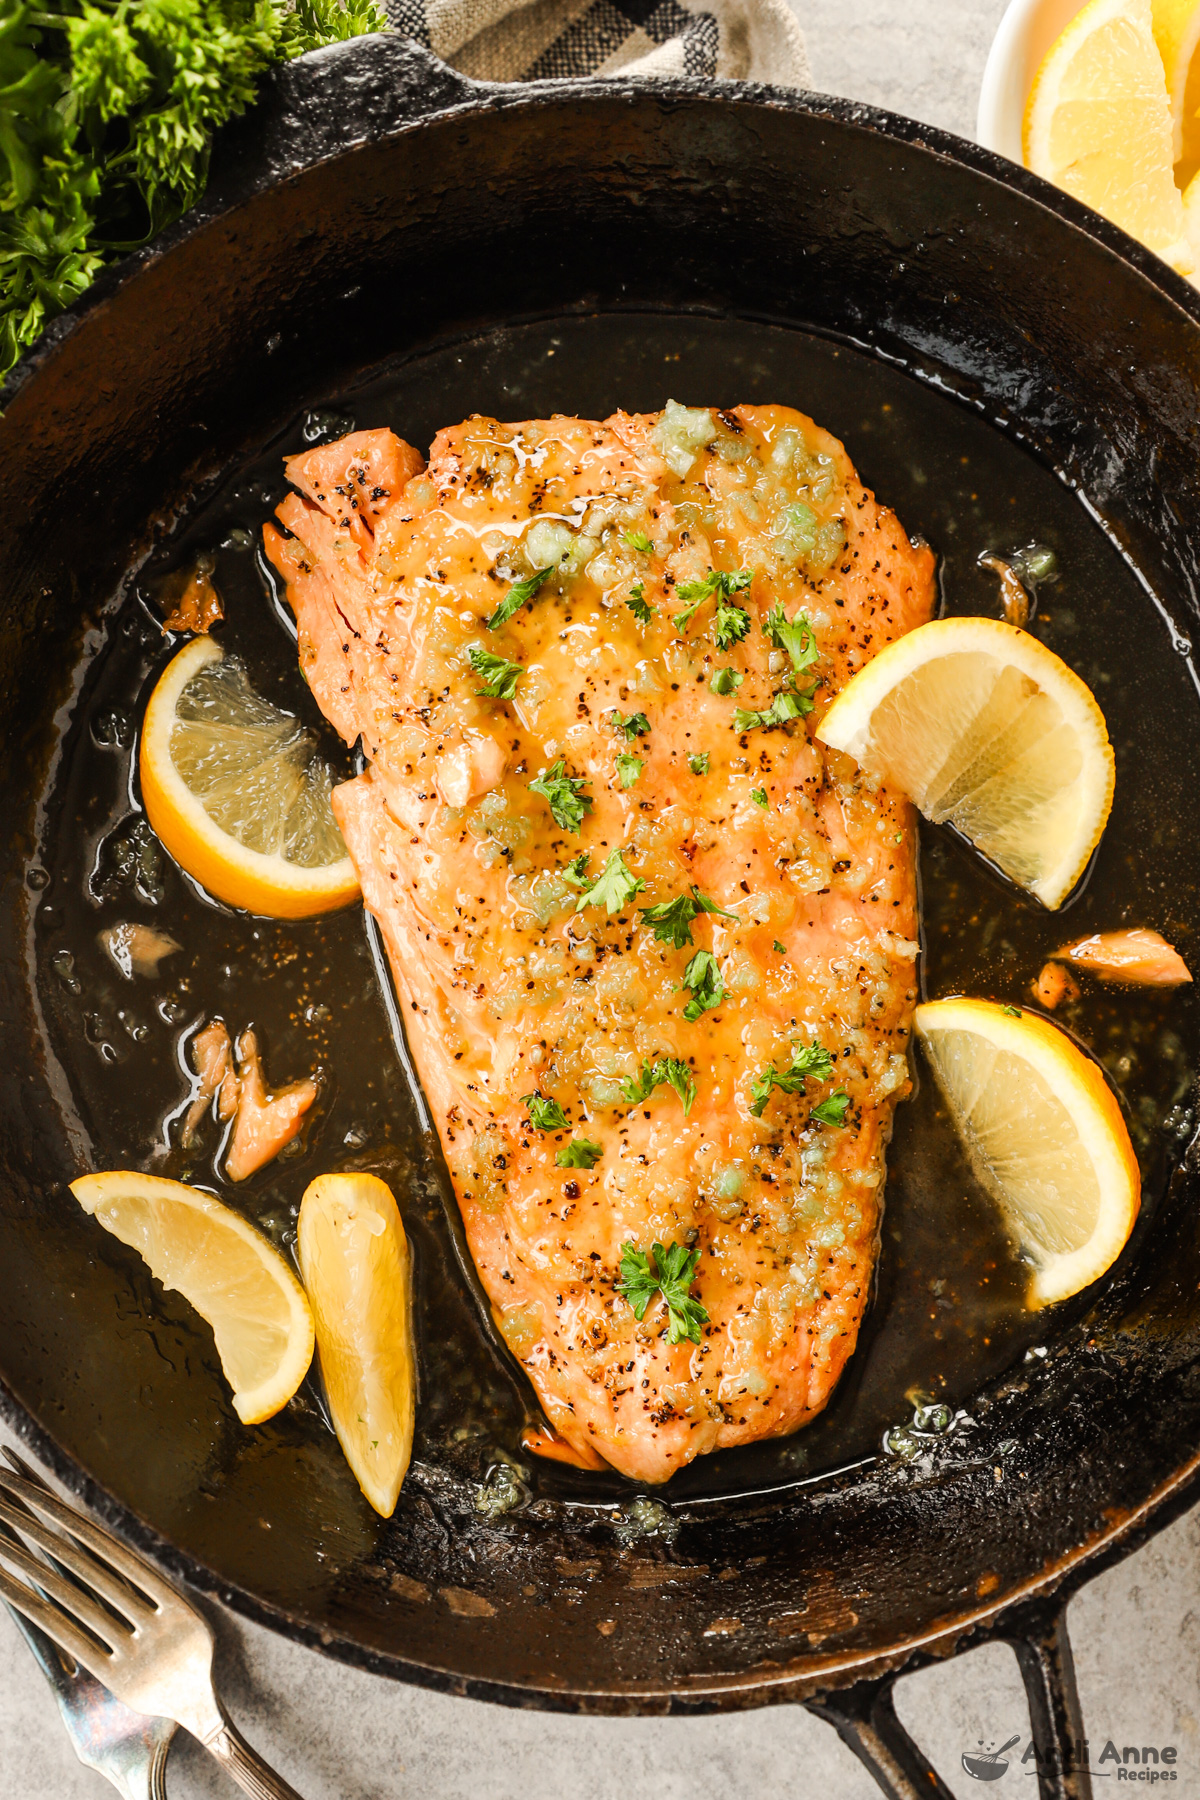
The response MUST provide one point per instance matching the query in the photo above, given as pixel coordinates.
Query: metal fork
(125, 1747)
(115, 1615)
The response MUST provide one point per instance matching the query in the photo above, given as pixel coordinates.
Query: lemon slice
(1177, 34)
(355, 1262)
(987, 730)
(225, 1268)
(1044, 1134)
(238, 792)
(1098, 124)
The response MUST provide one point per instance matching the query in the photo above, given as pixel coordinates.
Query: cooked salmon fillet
(654, 945)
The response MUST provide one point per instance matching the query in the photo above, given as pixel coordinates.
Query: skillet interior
(748, 207)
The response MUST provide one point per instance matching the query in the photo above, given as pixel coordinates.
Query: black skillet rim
(236, 180)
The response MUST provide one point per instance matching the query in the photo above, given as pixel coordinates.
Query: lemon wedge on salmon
(239, 793)
(1098, 124)
(225, 1268)
(1043, 1132)
(355, 1261)
(986, 730)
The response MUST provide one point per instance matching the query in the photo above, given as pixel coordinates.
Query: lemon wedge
(225, 1269)
(1044, 1134)
(1177, 34)
(1098, 124)
(355, 1261)
(238, 792)
(986, 729)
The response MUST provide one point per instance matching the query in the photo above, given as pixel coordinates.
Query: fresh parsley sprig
(725, 681)
(580, 1153)
(629, 768)
(810, 1062)
(731, 624)
(638, 604)
(699, 764)
(668, 1071)
(718, 582)
(518, 596)
(630, 725)
(671, 920)
(669, 1271)
(707, 986)
(783, 708)
(545, 1115)
(794, 635)
(563, 794)
(613, 888)
(637, 540)
(109, 111)
(500, 677)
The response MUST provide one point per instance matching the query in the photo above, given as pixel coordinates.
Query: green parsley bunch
(107, 115)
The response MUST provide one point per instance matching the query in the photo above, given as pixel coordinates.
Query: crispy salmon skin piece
(654, 945)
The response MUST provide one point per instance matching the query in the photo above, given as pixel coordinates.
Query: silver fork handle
(246, 1766)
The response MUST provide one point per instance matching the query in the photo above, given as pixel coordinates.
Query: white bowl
(1027, 30)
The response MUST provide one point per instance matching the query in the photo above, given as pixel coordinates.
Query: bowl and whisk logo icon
(988, 1765)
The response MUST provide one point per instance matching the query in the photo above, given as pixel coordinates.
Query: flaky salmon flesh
(653, 943)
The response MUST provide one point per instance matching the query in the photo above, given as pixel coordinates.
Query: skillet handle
(864, 1717)
(358, 92)
(1038, 1634)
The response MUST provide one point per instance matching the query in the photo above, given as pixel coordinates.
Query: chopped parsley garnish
(613, 888)
(576, 871)
(628, 769)
(779, 949)
(564, 794)
(638, 604)
(703, 978)
(671, 920)
(637, 540)
(783, 707)
(810, 1062)
(759, 797)
(699, 764)
(732, 624)
(580, 1153)
(1014, 1012)
(795, 636)
(668, 1071)
(517, 596)
(725, 586)
(725, 681)
(546, 1115)
(832, 1111)
(670, 1272)
(500, 678)
(636, 725)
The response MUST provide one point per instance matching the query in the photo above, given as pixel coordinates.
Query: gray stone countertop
(337, 1734)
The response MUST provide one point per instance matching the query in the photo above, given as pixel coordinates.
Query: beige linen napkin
(536, 40)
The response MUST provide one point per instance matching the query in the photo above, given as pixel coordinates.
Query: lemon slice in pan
(239, 793)
(1044, 1134)
(986, 729)
(226, 1269)
(355, 1261)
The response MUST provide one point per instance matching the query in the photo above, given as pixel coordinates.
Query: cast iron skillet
(373, 196)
